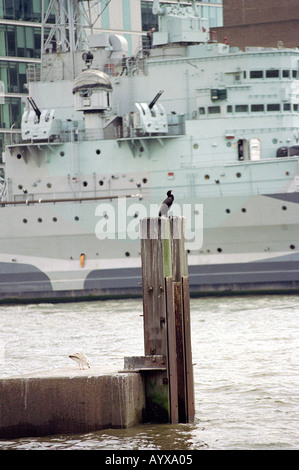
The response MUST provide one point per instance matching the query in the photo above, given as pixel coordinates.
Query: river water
(245, 353)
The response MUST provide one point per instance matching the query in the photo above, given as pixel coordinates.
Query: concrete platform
(69, 401)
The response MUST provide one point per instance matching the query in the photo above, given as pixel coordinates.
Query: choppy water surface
(245, 351)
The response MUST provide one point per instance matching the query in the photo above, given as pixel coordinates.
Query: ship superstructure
(104, 136)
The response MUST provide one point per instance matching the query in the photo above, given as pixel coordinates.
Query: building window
(10, 113)
(20, 41)
(13, 76)
(147, 18)
(25, 10)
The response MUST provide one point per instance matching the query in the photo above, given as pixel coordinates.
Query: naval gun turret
(151, 119)
(179, 24)
(39, 125)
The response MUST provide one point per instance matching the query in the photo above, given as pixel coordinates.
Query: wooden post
(167, 330)
(156, 263)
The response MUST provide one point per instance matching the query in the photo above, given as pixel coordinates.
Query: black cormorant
(166, 204)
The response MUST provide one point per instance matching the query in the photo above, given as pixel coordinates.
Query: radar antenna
(73, 19)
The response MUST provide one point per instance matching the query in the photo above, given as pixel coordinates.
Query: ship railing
(110, 133)
(138, 132)
(67, 197)
(12, 138)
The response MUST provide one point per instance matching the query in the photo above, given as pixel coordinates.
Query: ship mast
(74, 19)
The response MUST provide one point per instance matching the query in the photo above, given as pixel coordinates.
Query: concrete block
(67, 401)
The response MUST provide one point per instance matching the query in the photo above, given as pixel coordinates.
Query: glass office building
(20, 41)
(20, 37)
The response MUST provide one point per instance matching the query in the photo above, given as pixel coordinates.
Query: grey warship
(105, 136)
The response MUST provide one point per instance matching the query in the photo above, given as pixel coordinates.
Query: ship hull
(252, 251)
(32, 285)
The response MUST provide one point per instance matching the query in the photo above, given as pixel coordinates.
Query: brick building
(260, 23)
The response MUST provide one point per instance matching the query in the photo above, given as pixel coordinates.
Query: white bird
(81, 359)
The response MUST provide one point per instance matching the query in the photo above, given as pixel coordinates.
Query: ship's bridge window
(202, 111)
(229, 108)
(214, 109)
(287, 106)
(218, 94)
(294, 73)
(295, 107)
(85, 93)
(256, 74)
(241, 108)
(273, 73)
(273, 107)
(285, 73)
(255, 108)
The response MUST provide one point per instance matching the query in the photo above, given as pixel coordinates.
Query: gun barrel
(154, 101)
(35, 108)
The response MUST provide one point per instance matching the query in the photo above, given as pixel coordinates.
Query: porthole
(62, 153)
(141, 149)
(195, 146)
(284, 208)
(49, 185)
(39, 220)
(238, 175)
(243, 209)
(144, 180)
(219, 250)
(85, 183)
(227, 211)
(76, 217)
(25, 221)
(127, 253)
(292, 247)
(101, 182)
(54, 219)
(19, 156)
(207, 177)
(20, 186)
(98, 151)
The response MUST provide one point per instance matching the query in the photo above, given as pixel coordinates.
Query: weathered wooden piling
(167, 364)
